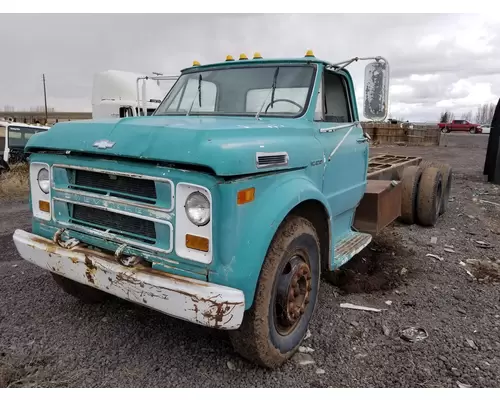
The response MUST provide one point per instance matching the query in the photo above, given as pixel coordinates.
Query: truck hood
(226, 145)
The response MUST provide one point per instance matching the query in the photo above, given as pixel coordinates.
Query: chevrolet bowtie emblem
(103, 144)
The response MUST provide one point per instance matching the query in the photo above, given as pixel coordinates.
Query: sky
(438, 61)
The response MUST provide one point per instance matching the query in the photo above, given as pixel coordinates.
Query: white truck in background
(118, 94)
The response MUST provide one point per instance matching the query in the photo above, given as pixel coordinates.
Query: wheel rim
(292, 294)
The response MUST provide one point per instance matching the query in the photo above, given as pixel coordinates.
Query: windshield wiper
(199, 96)
(271, 92)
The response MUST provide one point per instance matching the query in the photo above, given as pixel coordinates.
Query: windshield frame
(193, 72)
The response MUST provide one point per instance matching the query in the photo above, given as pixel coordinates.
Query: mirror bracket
(376, 95)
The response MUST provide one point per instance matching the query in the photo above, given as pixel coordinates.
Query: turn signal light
(309, 53)
(44, 206)
(246, 196)
(197, 243)
(256, 55)
(243, 56)
(196, 63)
(229, 58)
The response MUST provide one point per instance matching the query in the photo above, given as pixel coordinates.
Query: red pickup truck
(460, 125)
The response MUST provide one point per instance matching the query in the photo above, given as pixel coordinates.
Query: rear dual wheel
(425, 193)
(409, 192)
(285, 297)
(430, 196)
(447, 178)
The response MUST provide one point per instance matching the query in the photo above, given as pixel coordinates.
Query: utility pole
(45, 99)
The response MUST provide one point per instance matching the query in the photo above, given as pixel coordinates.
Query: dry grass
(15, 183)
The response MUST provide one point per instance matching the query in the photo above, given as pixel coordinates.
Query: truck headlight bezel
(197, 203)
(44, 182)
(40, 199)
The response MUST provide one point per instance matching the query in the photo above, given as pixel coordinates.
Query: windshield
(19, 135)
(282, 91)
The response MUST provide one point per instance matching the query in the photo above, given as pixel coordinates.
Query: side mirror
(376, 91)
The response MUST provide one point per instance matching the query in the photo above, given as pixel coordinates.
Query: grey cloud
(69, 49)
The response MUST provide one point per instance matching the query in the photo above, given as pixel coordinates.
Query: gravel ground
(48, 338)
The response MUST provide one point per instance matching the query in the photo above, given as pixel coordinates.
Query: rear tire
(285, 296)
(409, 192)
(82, 292)
(430, 194)
(4, 167)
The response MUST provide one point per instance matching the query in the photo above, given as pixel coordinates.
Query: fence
(403, 133)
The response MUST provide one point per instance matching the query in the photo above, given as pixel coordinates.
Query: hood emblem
(103, 144)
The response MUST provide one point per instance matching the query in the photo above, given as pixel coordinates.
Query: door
(344, 144)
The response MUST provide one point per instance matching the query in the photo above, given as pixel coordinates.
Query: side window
(337, 107)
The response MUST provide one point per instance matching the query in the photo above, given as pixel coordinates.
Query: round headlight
(198, 209)
(43, 180)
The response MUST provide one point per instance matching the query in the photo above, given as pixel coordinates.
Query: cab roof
(254, 61)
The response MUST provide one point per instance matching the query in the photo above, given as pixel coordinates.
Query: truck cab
(120, 94)
(222, 208)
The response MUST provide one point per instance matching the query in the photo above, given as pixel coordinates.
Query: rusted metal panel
(389, 167)
(193, 300)
(379, 207)
(349, 246)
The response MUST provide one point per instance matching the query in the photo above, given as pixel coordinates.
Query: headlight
(43, 180)
(198, 209)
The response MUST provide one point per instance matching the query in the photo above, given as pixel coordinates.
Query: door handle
(362, 140)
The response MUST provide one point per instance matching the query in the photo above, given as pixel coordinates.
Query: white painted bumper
(196, 301)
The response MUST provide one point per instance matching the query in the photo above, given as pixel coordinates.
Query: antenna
(45, 99)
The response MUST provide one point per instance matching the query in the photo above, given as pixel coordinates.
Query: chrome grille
(120, 186)
(113, 222)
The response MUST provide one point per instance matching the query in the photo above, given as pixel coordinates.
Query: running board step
(349, 246)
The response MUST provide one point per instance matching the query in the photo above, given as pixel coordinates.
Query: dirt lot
(48, 338)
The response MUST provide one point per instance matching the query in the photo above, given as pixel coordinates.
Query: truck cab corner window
(336, 99)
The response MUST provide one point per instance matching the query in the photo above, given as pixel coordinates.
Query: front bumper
(189, 299)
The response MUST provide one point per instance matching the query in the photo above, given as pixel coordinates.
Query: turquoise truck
(225, 206)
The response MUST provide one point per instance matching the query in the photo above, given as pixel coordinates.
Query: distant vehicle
(460, 125)
(486, 128)
(119, 94)
(16, 137)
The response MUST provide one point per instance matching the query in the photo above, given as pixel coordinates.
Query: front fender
(247, 230)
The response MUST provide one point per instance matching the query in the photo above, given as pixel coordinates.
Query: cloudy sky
(438, 61)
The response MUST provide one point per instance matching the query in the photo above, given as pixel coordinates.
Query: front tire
(84, 293)
(285, 297)
(472, 130)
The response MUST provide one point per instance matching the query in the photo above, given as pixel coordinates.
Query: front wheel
(84, 293)
(445, 130)
(285, 297)
(472, 130)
